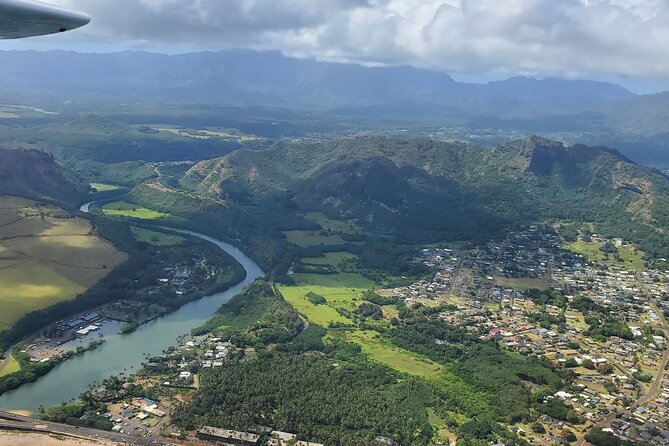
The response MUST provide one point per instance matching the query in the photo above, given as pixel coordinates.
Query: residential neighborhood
(606, 323)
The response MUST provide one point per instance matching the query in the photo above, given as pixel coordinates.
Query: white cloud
(591, 38)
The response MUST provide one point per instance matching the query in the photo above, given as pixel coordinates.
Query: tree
(604, 369)
(568, 435)
(538, 428)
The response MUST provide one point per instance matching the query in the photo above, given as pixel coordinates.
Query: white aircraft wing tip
(26, 18)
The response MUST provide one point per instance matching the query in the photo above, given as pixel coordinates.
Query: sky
(624, 41)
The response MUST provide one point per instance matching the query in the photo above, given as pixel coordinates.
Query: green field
(27, 287)
(339, 290)
(46, 257)
(156, 238)
(343, 291)
(317, 314)
(630, 258)
(124, 209)
(11, 366)
(399, 359)
(207, 133)
(350, 226)
(102, 187)
(339, 280)
(312, 238)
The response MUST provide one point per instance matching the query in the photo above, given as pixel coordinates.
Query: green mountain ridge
(424, 190)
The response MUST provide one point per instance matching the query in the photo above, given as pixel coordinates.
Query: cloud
(591, 38)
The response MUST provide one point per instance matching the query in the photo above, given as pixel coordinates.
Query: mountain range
(270, 79)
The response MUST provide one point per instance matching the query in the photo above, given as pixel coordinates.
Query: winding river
(124, 353)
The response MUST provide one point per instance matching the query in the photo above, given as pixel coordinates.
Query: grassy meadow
(630, 259)
(28, 287)
(343, 291)
(156, 238)
(124, 209)
(9, 366)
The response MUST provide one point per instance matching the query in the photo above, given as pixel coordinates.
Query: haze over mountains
(270, 79)
(575, 111)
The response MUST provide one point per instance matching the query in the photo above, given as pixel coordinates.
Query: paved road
(10, 421)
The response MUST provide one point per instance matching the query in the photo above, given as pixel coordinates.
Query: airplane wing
(27, 18)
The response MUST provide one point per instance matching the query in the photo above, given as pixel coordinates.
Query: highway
(13, 422)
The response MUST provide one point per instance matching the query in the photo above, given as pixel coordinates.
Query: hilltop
(34, 174)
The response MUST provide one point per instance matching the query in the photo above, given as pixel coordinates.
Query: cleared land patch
(343, 291)
(46, 257)
(9, 366)
(399, 359)
(102, 187)
(629, 258)
(340, 280)
(156, 238)
(124, 209)
(317, 314)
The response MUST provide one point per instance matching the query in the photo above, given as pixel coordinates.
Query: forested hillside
(35, 175)
(426, 191)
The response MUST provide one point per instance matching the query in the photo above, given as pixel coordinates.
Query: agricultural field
(46, 257)
(103, 187)
(630, 259)
(156, 238)
(313, 238)
(125, 209)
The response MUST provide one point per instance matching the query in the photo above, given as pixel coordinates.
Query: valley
(388, 290)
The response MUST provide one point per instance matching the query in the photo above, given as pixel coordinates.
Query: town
(602, 321)
(606, 323)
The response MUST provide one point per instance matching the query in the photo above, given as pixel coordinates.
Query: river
(124, 353)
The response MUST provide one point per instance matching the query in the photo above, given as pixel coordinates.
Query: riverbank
(123, 353)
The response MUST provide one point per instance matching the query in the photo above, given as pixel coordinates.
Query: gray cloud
(546, 37)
